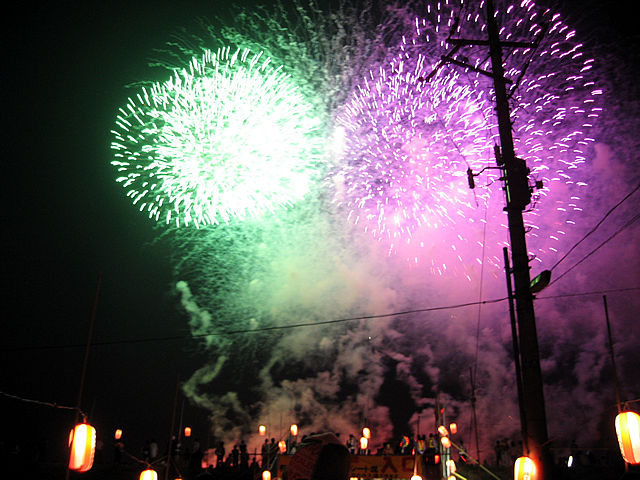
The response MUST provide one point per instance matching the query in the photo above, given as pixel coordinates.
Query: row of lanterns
(82, 444)
(82, 448)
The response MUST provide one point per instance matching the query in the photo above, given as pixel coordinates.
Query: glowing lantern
(416, 477)
(82, 441)
(451, 465)
(187, 431)
(443, 431)
(262, 430)
(525, 469)
(446, 443)
(451, 477)
(266, 475)
(282, 445)
(149, 474)
(294, 430)
(628, 431)
(364, 443)
(366, 433)
(454, 428)
(118, 434)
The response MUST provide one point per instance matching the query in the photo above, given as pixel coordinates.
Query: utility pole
(518, 196)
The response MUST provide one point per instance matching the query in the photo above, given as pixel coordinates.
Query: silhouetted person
(321, 457)
(220, 454)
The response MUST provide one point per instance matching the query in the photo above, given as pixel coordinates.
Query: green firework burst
(229, 136)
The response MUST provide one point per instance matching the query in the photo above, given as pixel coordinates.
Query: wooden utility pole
(518, 196)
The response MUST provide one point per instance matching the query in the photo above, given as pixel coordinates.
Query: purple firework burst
(415, 125)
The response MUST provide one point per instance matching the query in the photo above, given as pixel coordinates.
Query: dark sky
(65, 221)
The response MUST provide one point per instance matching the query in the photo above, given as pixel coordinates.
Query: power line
(584, 294)
(629, 223)
(597, 225)
(46, 404)
(262, 329)
(301, 325)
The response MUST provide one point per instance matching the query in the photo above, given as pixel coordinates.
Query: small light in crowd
(364, 443)
(282, 445)
(187, 431)
(149, 474)
(570, 461)
(118, 434)
(266, 475)
(294, 430)
(451, 465)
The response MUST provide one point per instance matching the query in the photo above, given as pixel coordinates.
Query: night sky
(66, 222)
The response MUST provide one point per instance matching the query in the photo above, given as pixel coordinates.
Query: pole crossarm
(449, 59)
(470, 42)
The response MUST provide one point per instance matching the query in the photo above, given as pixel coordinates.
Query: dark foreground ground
(50, 471)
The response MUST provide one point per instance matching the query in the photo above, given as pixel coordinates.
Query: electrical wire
(263, 329)
(46, 404)
(620, 230)
(611, 210)
(300, 325)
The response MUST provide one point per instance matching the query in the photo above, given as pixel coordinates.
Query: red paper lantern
(118, 434)
(266, 475)
(628, 431)
(454, 428)
(149, 474)
(294, 430)
(525, 469)
(262, 430)
(366, 433)
(83, 446)
(187, 431)
(446, 443)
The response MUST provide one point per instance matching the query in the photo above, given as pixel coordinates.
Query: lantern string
(46, 404)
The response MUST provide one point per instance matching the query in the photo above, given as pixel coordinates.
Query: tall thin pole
(88, 347)
(173, 419)
(475, 417)
(85, 362)
(518, 197)
(613, 358)
(516, 351)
